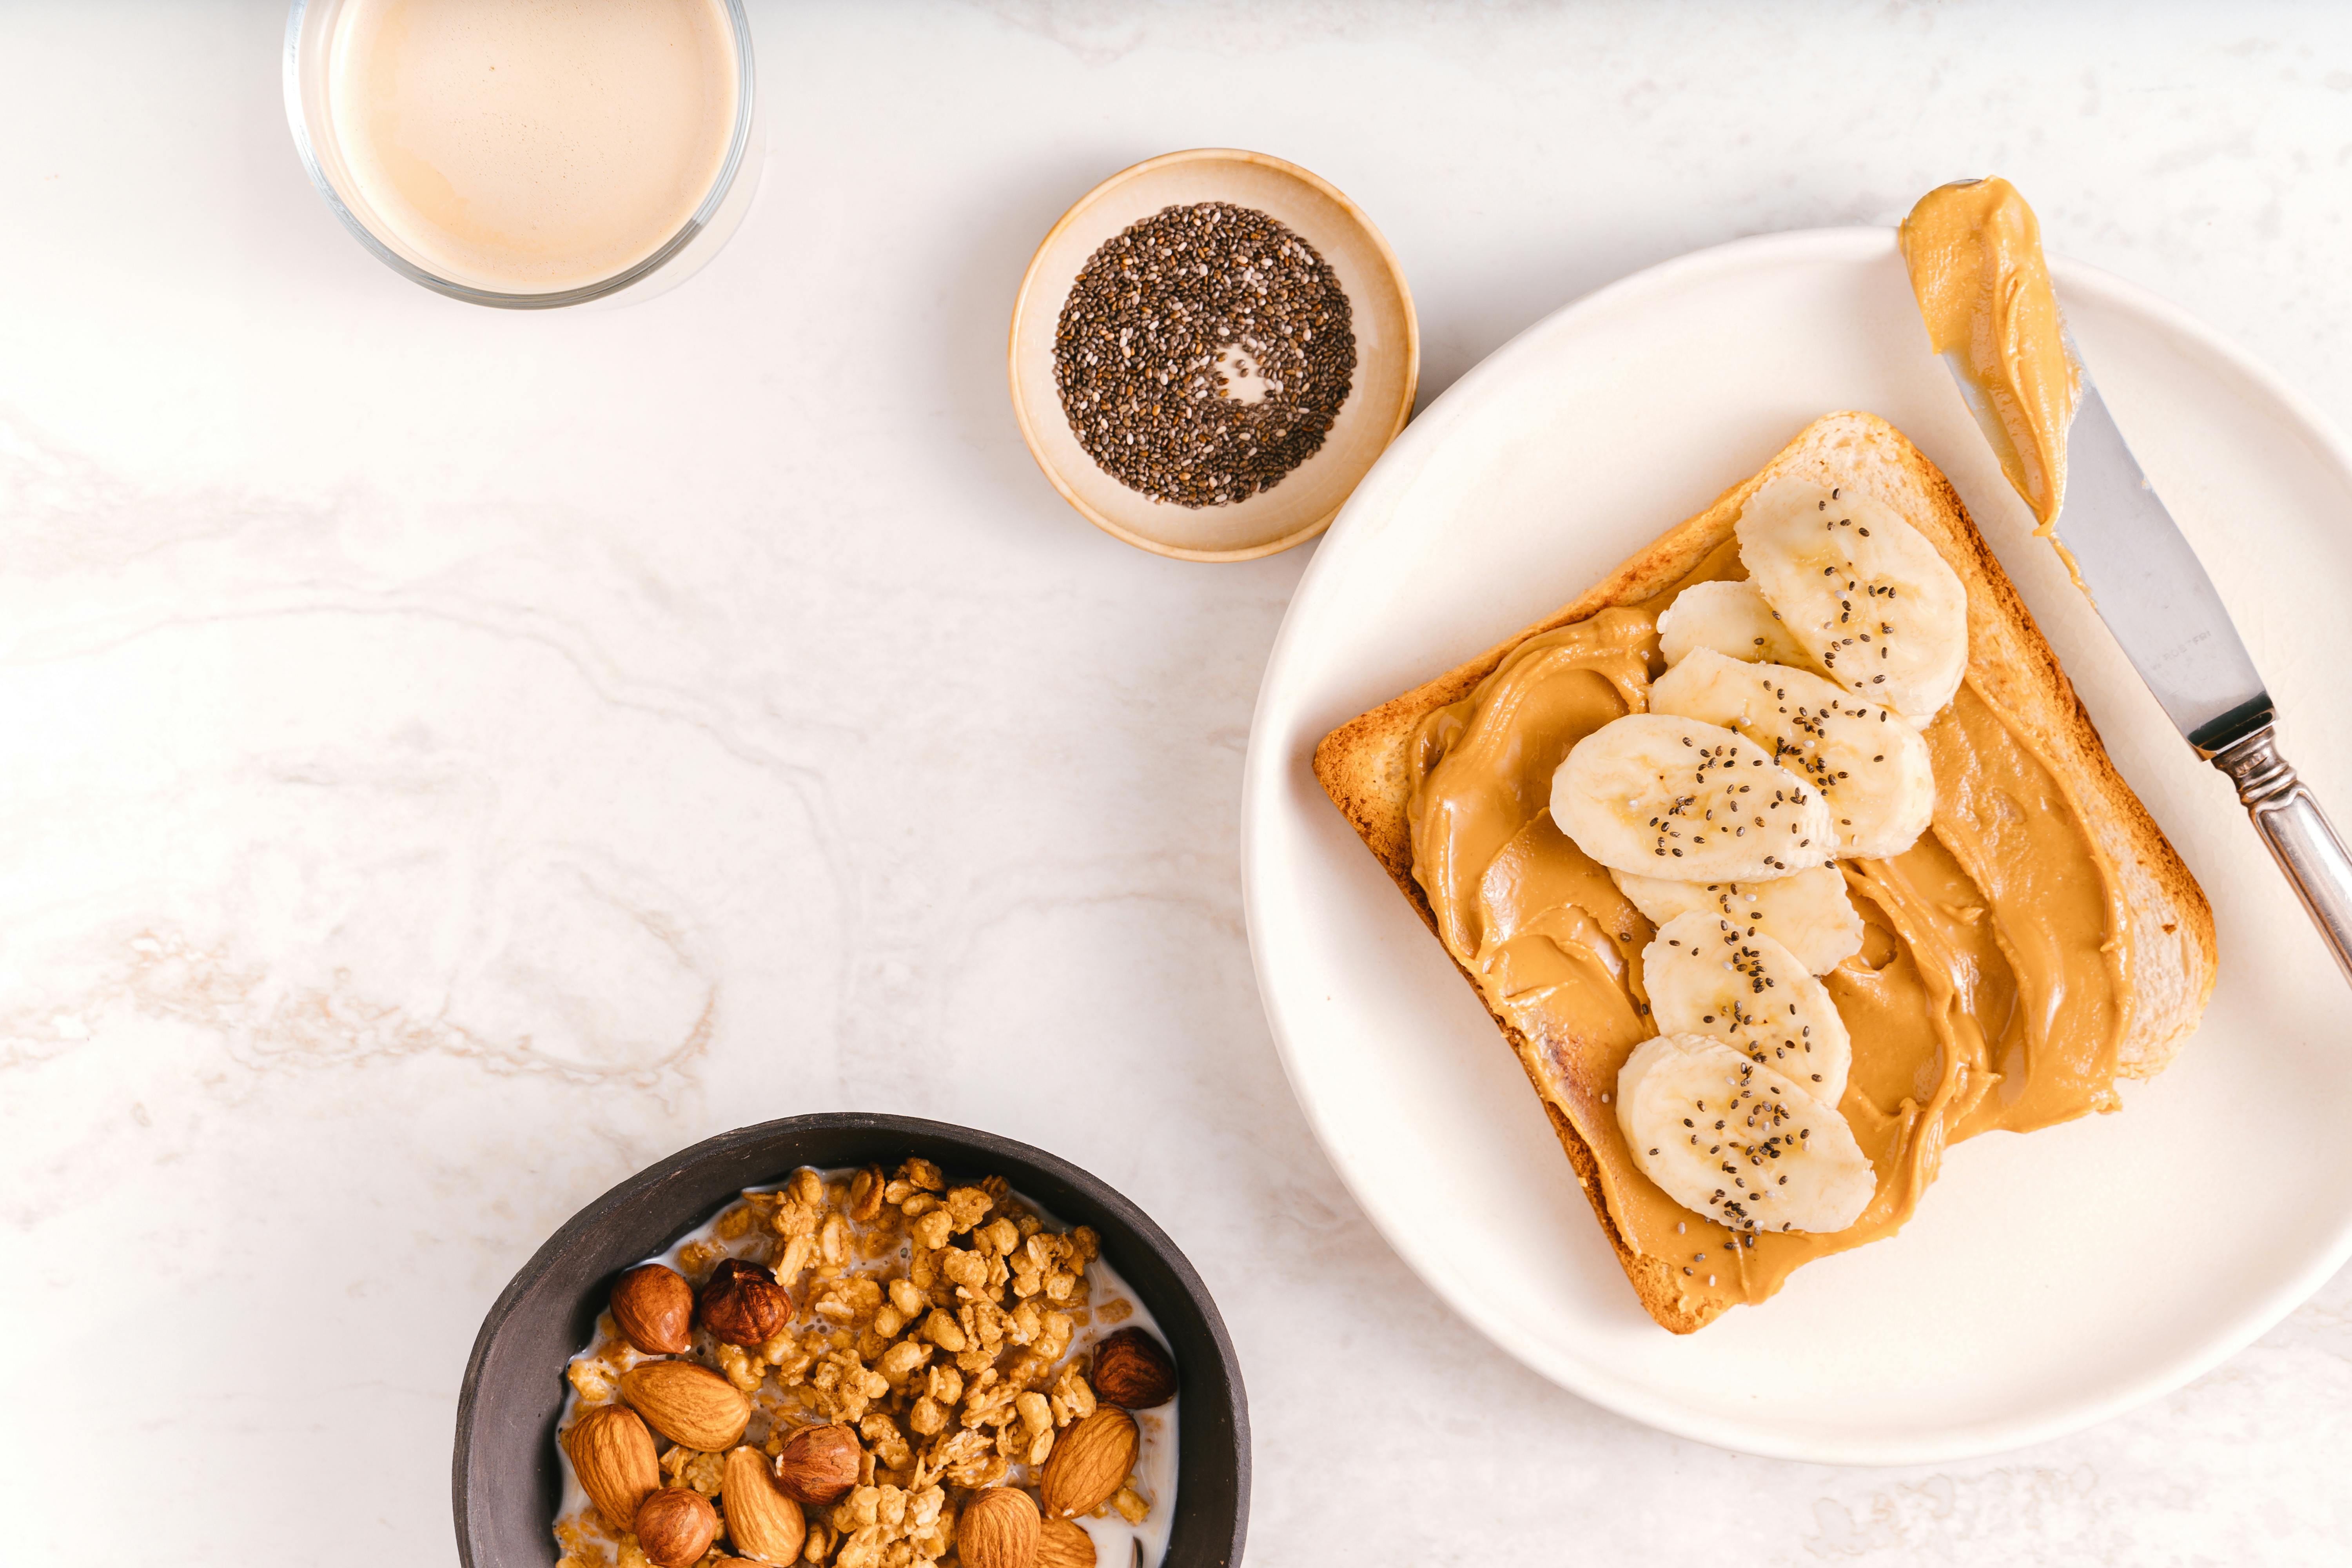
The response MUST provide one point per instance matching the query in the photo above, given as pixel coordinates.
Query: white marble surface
(452, 759)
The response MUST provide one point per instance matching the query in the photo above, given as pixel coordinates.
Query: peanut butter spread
(1975, 253)
(1990, 991)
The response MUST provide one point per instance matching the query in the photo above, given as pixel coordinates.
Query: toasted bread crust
(1365, 765)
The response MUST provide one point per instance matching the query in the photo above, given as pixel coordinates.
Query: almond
(654, 1308)
(763, 1522)
(675, 1527)
(1088, 1462)
(818, 1465)
(687, 1403)
(998, 1530)
(1060, 1544)
(742, 1304)
(612, 1455)
(1133, 1371)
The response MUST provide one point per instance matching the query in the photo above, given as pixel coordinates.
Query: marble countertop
(456, 758)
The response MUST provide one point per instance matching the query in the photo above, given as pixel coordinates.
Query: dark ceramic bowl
(505, 1484)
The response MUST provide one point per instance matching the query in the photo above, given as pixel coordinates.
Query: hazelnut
(654, 1308)
(1133, 1371)
(819, 1464)
(675, 1527)
(743, 1305)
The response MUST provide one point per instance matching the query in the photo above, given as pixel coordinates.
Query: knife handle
(2298, 834)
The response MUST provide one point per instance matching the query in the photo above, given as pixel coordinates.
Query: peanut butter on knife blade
(1974, 249)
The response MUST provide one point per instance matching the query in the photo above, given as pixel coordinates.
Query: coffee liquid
(532, 146)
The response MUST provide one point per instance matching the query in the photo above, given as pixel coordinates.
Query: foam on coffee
(531, 146)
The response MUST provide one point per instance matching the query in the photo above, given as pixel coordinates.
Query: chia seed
(1204, 353)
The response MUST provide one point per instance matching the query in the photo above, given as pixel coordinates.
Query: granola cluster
(935, 1322)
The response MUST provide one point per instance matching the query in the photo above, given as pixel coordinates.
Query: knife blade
(2149, 588)
(2148, 585)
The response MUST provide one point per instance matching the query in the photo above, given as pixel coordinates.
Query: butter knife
(2147, 586)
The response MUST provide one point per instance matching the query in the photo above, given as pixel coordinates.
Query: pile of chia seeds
(1204, 353)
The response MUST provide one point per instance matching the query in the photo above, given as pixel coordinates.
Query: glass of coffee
(528, 153)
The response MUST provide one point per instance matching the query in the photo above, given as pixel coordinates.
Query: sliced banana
(1731, 619)
(1706, 976)
(1808, 913)
(1874, 773)
(1674, 797)
(1737, 1143)
(1863, 591)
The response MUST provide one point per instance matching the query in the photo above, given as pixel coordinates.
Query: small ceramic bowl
(1380, 400)
(506, 1483)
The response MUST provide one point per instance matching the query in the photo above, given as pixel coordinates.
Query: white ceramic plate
(2048, 1280)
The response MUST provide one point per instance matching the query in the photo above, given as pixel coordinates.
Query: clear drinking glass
(310, 36)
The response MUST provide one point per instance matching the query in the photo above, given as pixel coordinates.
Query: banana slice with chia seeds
(1808, 913)
(1731, 619)
(1862, 591)
(1738, 1143)
(1706, 975)
(1875, 773)
(1672, 796)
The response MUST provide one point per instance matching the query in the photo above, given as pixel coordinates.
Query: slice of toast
(1366, 764)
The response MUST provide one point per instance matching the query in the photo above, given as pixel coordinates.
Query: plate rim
(1266, 763)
